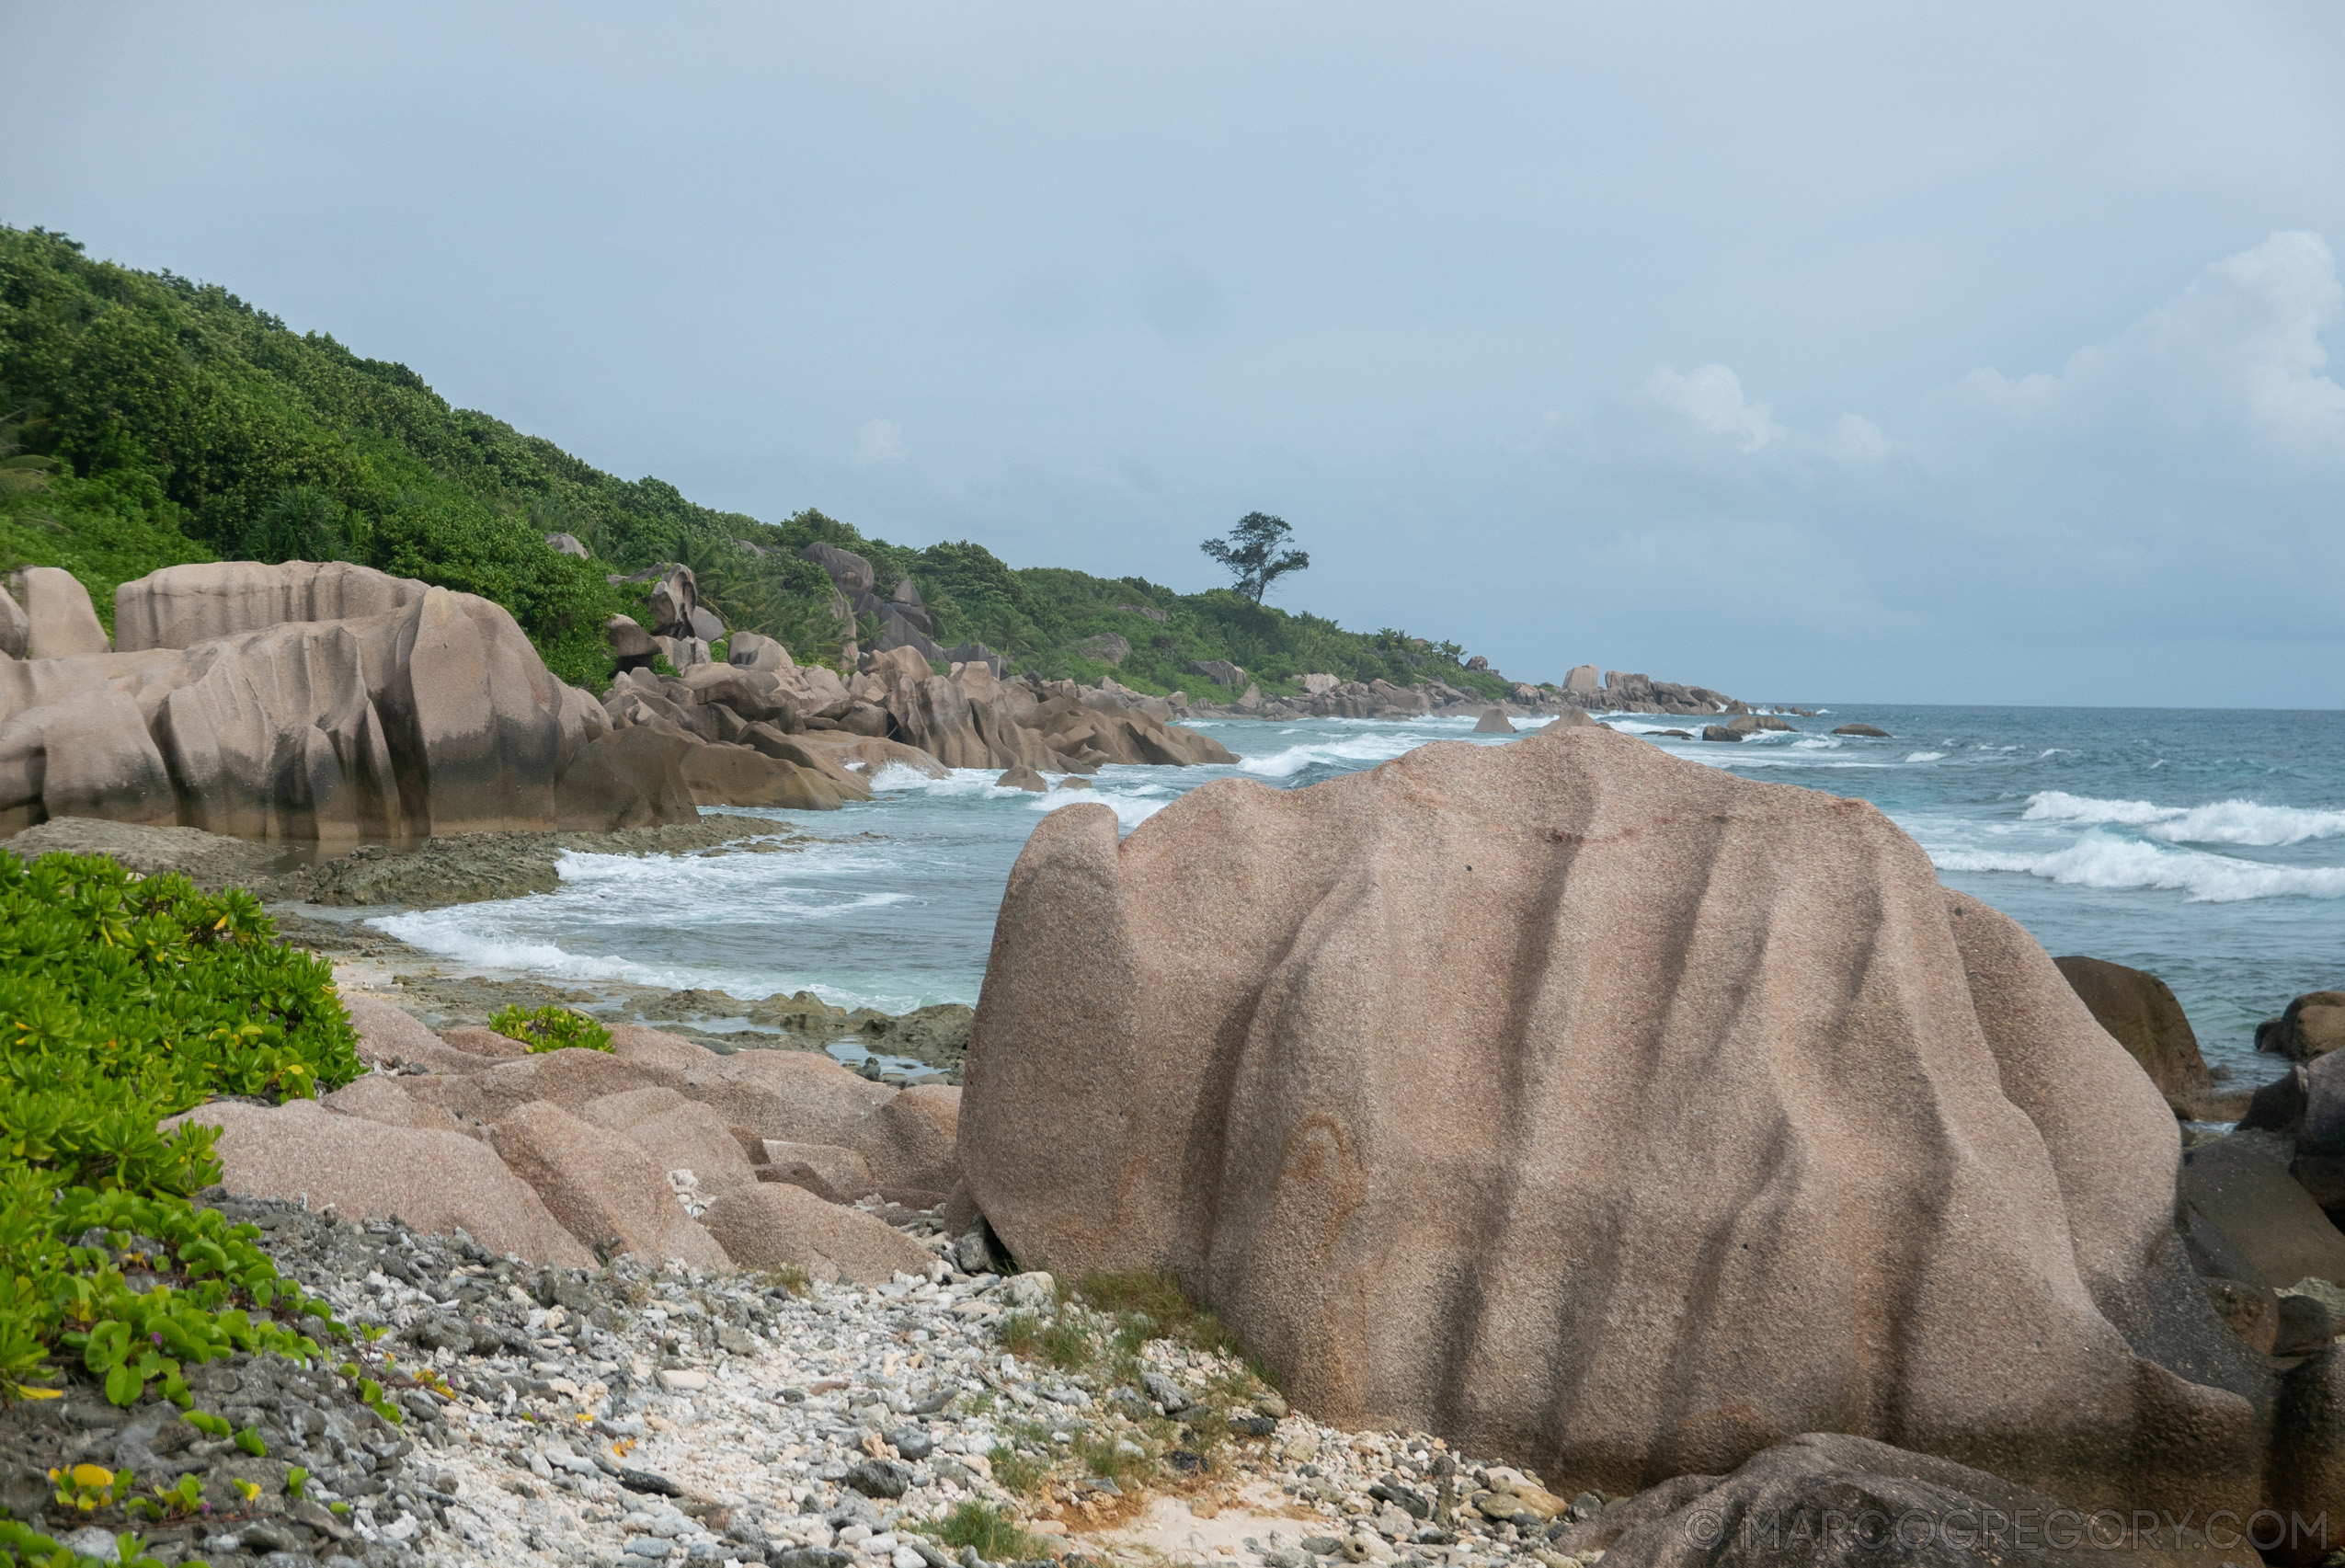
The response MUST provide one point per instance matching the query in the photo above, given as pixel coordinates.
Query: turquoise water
(2207, 847)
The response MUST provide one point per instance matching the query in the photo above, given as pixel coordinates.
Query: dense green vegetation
(125, 1000)
(146, 421)
(551, 1028)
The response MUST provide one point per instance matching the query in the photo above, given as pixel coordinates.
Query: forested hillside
(145, 419)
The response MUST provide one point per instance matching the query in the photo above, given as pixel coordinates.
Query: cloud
(2236, 355)
(2122, 518)
(878, 441)
(1713, 398)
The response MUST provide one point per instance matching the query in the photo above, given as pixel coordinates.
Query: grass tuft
(993, 1533)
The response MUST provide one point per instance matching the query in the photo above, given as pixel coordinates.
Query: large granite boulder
(2140, 1013)
(181, 606)
(16, 628)
(672, 601)
(89, 756)
(1573, 1100)
(324, 702)
(435, 1180)
(848, 570)
(59, 620)
(776, 1223)
(2312, 1027)
(606, 1189)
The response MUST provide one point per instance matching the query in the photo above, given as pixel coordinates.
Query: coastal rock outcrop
(2140, 1013)
(775, 1223)
(58, 620)
(412, 712)
(434, 1180)
(2312, 1027)
(1832, 1501)
(1576, 1099)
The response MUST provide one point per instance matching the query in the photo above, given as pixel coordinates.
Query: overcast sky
(1967, 353)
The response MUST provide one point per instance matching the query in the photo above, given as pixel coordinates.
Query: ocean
(2207, 846)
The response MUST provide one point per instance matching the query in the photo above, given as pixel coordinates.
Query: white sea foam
(2106, 860)
(1925, 755)
(1132, 806)
(2223, 822)
(1367, 747)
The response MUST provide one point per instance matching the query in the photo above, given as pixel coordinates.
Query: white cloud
(1713, 398)
(2120, 525)
(2236, 354)
(878, 441)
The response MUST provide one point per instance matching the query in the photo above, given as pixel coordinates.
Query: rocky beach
(1534, 1148)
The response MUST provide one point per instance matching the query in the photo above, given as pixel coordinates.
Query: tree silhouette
(1252, 551)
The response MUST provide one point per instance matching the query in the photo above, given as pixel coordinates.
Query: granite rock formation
(1573, 1099)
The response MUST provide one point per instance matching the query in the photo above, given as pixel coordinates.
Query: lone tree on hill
(1253, 553)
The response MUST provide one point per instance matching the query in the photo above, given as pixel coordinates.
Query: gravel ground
(628, 1417)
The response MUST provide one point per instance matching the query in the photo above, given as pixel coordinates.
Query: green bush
(551, 1029)
(125, 1000)
(150, 420)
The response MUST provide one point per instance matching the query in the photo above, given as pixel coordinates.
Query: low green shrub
(551, 1029)
(125, 1000)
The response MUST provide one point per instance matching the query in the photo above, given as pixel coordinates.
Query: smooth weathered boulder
(434, 716)
(1108, 648)
(630, 646)
(179, 607)
(1221, 671)
(1721, 732)
(91, 756)
(671, 600)
(1494, 722)
(568, 1078)
(743, 775)
(630, 778)
(2243, 1190)
(1862, 729)
(844, 1172)
(1570, 718)
(909, 1138)
(1831, 1501)
(15, 631)
(59, 621)
(570, 544)
(2312, 1027)
(848, 570)
(392, 1038)
(798, 1096)
(377, 1097)
(1128, 734)
(605, 1189)
(687, 1136)
(433, 1180)
(1022, 777)
(1578, 1101)
(2321, 1127)
(663, 1057)
(754, 650)
(775, 1223)
(2140, 1013)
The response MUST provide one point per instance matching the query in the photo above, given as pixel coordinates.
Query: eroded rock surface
(1570, 1098)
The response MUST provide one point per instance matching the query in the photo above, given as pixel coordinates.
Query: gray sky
(1969, 352)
